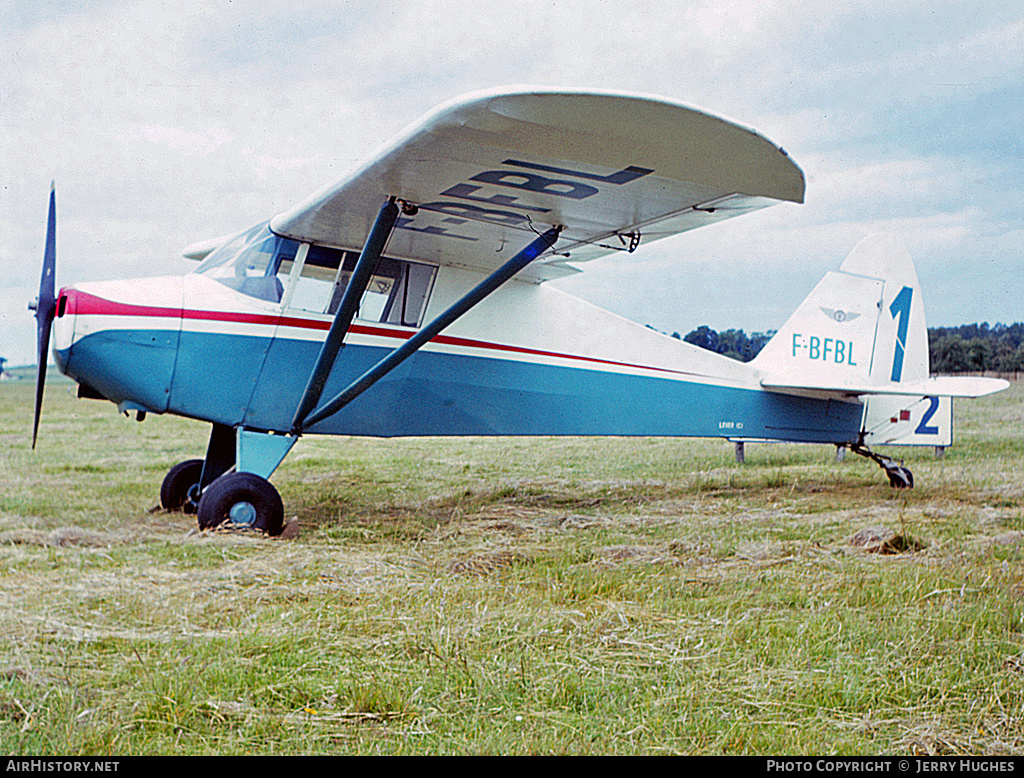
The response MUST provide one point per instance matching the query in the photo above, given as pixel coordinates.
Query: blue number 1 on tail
(900, 307)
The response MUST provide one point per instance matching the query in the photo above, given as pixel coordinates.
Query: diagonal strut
(357, 283)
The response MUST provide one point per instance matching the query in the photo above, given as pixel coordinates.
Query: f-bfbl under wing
(480, 174)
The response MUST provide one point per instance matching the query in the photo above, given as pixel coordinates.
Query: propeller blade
(45, 307)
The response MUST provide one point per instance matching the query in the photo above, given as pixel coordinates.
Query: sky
(166, 123)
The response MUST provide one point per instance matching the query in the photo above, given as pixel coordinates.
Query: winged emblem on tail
(838, 315)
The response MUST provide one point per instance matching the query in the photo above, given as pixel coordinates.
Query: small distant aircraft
(441, 323)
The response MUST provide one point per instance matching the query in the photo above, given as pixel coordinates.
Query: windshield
(248, 263)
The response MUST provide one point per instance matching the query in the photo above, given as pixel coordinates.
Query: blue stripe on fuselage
(258, 382)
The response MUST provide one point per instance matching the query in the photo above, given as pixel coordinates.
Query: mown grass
(604, 596)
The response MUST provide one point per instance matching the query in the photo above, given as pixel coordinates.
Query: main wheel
(243, 500)
(179, 479)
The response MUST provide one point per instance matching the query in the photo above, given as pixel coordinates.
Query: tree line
(731, 343)
(977, 348)
(968, 348)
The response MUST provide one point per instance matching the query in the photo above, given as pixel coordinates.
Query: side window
(376, 296)
(313, 288)
(408, 303)
(397, 292)
(316, 281)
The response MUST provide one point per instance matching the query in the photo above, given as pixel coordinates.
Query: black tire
(243, 500)
(900, 478)
(179, 479)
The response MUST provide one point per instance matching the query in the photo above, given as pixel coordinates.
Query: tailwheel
(179, 481)
(900, 477)
(242, 501)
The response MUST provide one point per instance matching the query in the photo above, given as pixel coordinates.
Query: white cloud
(181, 141)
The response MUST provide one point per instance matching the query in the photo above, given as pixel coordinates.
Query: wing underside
(480, 175)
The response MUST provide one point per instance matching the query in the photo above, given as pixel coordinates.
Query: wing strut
(411, 346)
(357, 283)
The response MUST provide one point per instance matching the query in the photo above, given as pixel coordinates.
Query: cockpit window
(248, 263)
(261, 264)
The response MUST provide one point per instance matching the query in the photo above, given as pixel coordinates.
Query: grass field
(511, 595)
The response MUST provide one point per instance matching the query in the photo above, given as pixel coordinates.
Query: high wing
(480, 175)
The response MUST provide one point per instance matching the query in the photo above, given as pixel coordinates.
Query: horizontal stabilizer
(940, 386)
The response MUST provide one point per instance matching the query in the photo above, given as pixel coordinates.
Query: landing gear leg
(206, 488)
(900, 477)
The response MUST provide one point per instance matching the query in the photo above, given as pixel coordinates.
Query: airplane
(409, 299)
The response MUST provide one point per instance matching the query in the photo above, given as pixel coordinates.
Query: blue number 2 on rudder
(900, 308)
(924, 428)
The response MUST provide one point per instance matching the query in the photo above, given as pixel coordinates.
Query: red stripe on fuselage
(83, 303)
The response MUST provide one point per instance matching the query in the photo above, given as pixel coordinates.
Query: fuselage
(529, 360)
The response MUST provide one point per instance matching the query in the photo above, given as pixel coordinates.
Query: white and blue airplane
(409, 298)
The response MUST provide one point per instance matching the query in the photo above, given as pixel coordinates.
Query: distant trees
(731, 343)
(977, 348)
(969, 348)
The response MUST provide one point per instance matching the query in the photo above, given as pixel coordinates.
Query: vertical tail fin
(861, 325)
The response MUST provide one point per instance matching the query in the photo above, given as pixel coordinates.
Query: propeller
(45, 307)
